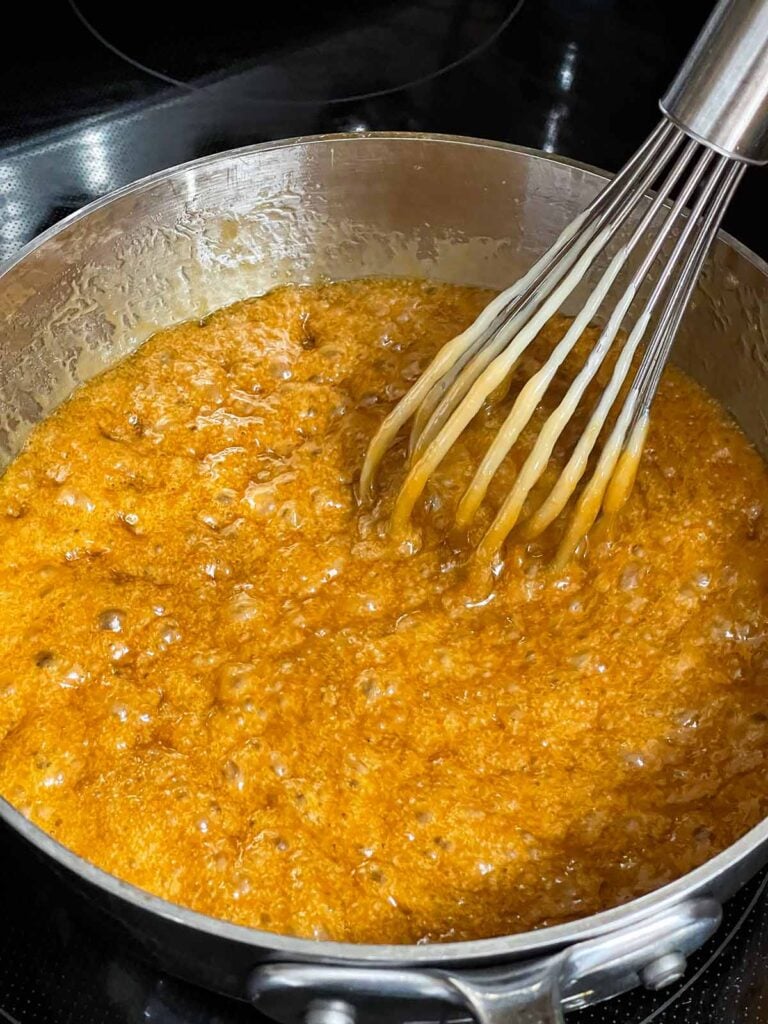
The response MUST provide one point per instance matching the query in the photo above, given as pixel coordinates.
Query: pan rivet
(663, 971)
(333, 1011)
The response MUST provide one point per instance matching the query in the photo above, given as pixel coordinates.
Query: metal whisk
(715, 122)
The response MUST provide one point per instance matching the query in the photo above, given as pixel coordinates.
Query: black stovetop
(94, 95)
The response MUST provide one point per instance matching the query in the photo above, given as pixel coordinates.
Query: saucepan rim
(497, 948)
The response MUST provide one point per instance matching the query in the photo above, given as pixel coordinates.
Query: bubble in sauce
(112, 620)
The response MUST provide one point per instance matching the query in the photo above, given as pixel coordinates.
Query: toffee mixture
(223, 682)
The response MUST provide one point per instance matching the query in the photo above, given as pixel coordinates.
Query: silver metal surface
(720, 95)
(186, 241)
(665, 971)
(534, 992)
(333, 1011)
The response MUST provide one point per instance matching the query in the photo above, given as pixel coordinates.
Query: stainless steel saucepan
(186, 241)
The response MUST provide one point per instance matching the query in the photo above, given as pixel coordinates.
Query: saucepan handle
(324, 994)
(651, 951)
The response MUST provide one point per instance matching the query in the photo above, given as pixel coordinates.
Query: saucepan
(186, 241)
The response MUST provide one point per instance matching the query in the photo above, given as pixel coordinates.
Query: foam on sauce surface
(220, 680)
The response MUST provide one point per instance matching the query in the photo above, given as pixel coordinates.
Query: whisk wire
(496, 319)
(555, 502)
(497, 370)
(427, 423)
(655, 356)
(481, 362)
(533, 392)
(631, 429)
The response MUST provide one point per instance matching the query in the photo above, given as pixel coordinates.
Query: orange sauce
(222, 681)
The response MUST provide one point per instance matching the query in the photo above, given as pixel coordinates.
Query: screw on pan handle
(651, 951)
(329, 1011)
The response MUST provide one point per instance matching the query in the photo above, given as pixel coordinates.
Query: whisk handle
(720, 94)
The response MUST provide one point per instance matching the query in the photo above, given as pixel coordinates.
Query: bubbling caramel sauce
(222, 681)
